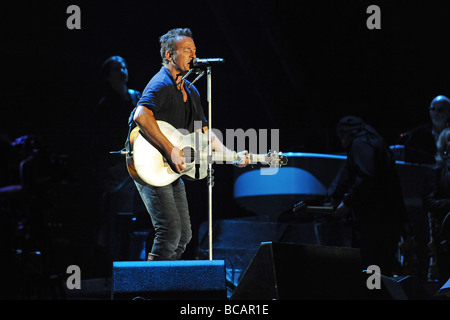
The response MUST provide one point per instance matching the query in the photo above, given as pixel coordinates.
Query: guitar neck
(230, 157)
(258, 158)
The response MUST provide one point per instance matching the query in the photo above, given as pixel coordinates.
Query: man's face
(118, 73)
(346, 141)
(185, 51)
(439, 113)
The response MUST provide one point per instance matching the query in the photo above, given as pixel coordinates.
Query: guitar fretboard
(230, 157)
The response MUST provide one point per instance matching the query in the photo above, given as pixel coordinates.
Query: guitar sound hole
(189, 154)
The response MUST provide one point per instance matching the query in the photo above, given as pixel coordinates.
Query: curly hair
(167, 41)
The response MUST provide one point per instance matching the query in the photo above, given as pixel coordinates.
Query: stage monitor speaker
(189, 279)
(402, 288)
(284, 271)
(444, 291)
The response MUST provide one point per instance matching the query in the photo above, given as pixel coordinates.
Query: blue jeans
(169, 212)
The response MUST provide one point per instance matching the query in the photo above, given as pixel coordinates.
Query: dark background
(297, 66)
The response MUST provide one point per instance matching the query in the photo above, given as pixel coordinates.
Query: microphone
(196, 62)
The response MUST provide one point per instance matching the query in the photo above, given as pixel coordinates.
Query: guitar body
(147, 166)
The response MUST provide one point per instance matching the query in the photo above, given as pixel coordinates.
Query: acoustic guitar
(148, 166)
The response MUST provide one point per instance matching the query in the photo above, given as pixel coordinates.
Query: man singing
(169, 98)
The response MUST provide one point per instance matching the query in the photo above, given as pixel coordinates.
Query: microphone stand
(210, 178)
(209, 159)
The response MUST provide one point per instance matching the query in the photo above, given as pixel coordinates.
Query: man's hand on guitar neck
(243, 159)
(217, 145)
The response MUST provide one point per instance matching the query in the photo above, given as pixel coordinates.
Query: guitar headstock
(276, 159)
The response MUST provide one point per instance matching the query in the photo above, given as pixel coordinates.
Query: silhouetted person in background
(420, 143)
(437, 202)
(370, 191)
(116, 188)
(111, 125)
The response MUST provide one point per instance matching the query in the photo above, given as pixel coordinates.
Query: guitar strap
(135, 96)
(131, 126)
(195, 100)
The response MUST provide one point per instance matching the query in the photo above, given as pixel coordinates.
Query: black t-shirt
(110, 116)
(166, 101)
